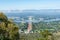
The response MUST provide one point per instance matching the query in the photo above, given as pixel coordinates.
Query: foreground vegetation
(10, 31)
(44, 35)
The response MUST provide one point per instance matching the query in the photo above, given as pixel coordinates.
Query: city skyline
(29, 4)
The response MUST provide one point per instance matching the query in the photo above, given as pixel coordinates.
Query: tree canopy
(3, 17)
(11, 32)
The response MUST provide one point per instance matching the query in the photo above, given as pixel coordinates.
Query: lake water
(36, 21)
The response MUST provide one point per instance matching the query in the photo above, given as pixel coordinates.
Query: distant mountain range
(33, 10)
(36, 13)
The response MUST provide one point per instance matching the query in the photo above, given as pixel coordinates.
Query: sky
(29, 4)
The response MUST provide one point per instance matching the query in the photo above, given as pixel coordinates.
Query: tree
(8, 29)
(3, 18)
(46, 35)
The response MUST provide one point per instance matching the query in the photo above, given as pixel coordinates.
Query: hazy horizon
(29, 4)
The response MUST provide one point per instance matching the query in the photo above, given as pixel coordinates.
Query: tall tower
(29, 24)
